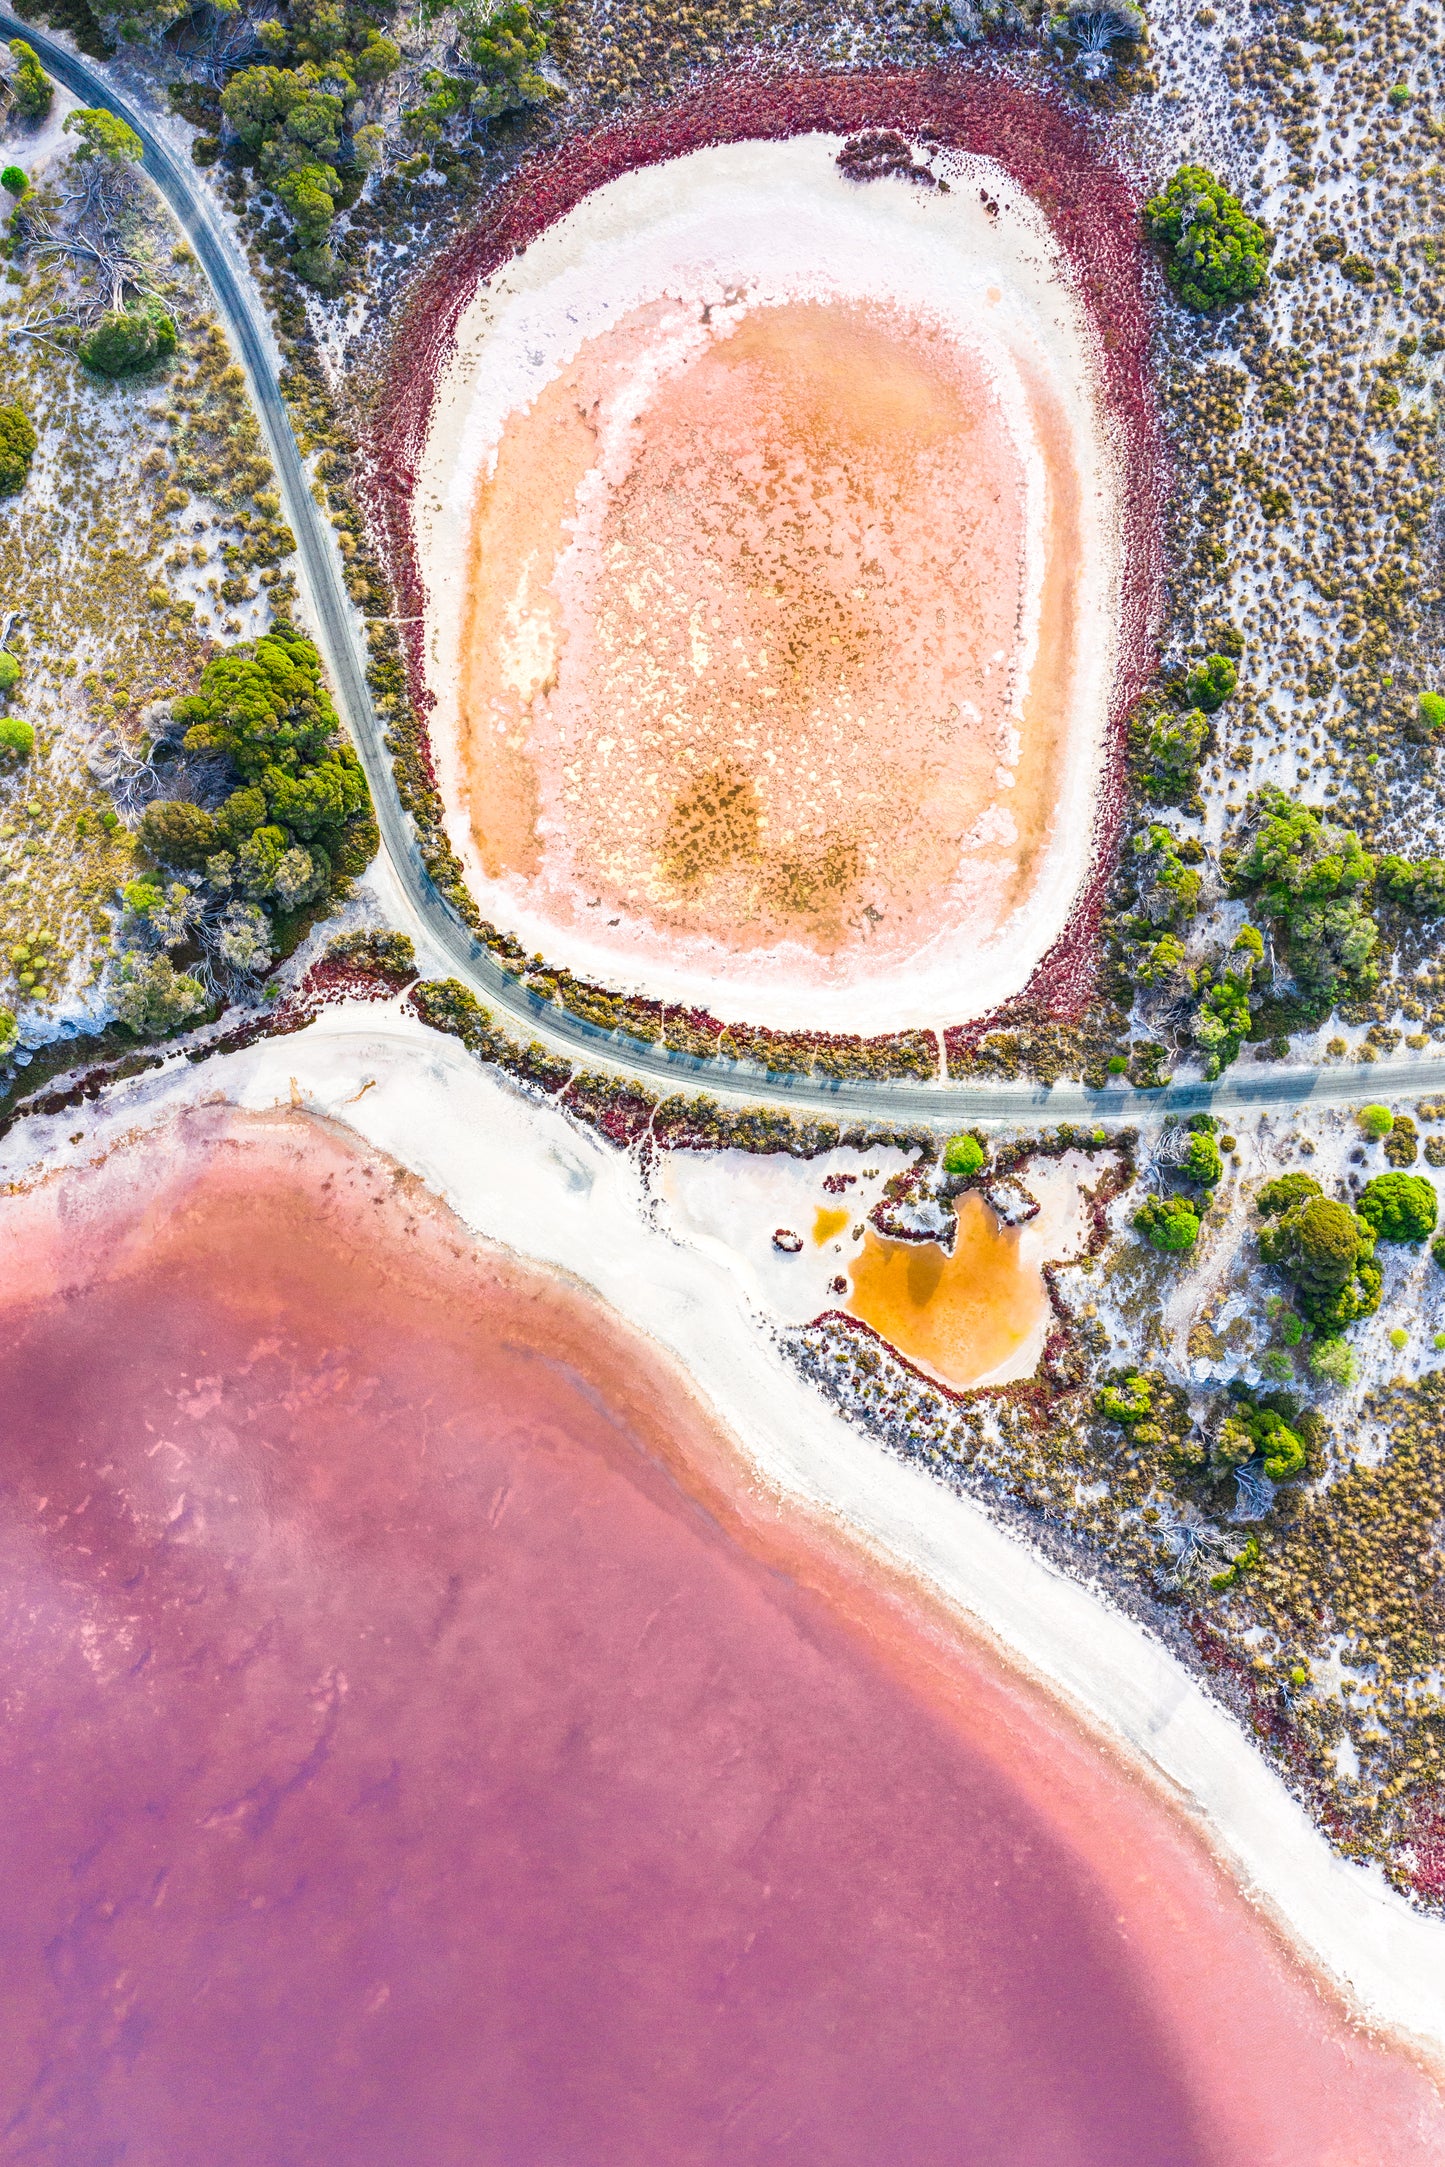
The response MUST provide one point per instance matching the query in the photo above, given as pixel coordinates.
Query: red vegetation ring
(1049, 150)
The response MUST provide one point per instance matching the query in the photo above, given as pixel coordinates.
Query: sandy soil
(770, 565)
(523, 1176)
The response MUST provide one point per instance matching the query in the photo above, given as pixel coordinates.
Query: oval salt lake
(421, 1745)
(772, 563)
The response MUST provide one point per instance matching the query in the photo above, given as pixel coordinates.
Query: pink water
(413, 1755)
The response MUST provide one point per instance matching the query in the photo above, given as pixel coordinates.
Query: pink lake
(421, 1748)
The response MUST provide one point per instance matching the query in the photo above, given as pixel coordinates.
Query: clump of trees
(1214, 254)
(1312, 878)
(1224, 1019)
(1170, 1223)
(1414, 885)
(288, 818)
(298, 814)
(18, 442)
(1324, 1249)
(299, 114)
(1400, 1208)
(1265, 1427)
(34, 91)
(151, 996)
(1173, 750)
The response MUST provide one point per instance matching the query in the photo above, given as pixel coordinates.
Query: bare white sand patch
(521, 1174)
(899, 777)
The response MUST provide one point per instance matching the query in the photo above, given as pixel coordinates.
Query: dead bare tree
(91, 232)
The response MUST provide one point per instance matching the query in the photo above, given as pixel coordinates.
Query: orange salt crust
(741, 668)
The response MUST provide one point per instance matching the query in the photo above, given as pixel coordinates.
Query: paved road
(343, 648)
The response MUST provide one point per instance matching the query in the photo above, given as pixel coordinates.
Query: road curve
(339, 636)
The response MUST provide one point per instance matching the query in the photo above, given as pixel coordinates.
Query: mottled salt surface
(772, 546)
(424, 1743)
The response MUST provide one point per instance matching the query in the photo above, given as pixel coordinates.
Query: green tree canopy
(1313, 878)
(1202, 1162)
(507, 45)
(1400, 1207)
(1327, 1251)
(1252, 1431)
(126, 341)
(1168, 1222)
(104, 135)
(1172, 753)
(302, 808)
(1213, 253)
(34, 92)
(151, 996)
(1125, 1399)
(962, 1155)
(17, 448)
(1210, 683)
(179, 834)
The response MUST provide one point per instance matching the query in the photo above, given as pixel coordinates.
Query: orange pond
(958, 1317)
(741, 652)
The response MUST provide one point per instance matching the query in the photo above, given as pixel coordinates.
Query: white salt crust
(524, 1175)
(760, 223)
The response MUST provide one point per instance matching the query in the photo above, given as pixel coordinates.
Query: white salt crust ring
(545, 664)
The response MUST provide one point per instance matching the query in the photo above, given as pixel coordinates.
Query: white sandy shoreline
(522, 1175)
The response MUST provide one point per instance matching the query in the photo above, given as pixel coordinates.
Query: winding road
(339, 636)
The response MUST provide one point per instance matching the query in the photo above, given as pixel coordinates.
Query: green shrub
(9, 672)
(178, 834)
(1402, 1145)
(1173, 751)
(1416, 885)
(1125, 1399)
(1210, 683)
(17, 448)
(1285, 1191)
(1327, 1251)
(13, 181)
(1334, 1363)
(1400, 1207)
(17, 738)
(962, 1156)
(1376, 1121)
(151, 996)
(1213, 253)
(1399, 1338)
(104, 135)
(9, 1033)
(34, 92)
(1432, 710)
(126, 341)
(1202, 1162)
(1168, 1222)
(1251, 1431)
(507, 46)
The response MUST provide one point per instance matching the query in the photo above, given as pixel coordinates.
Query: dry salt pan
(772, 539)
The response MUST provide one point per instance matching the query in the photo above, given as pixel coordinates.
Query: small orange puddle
(959, 1317)
(827, 1224)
